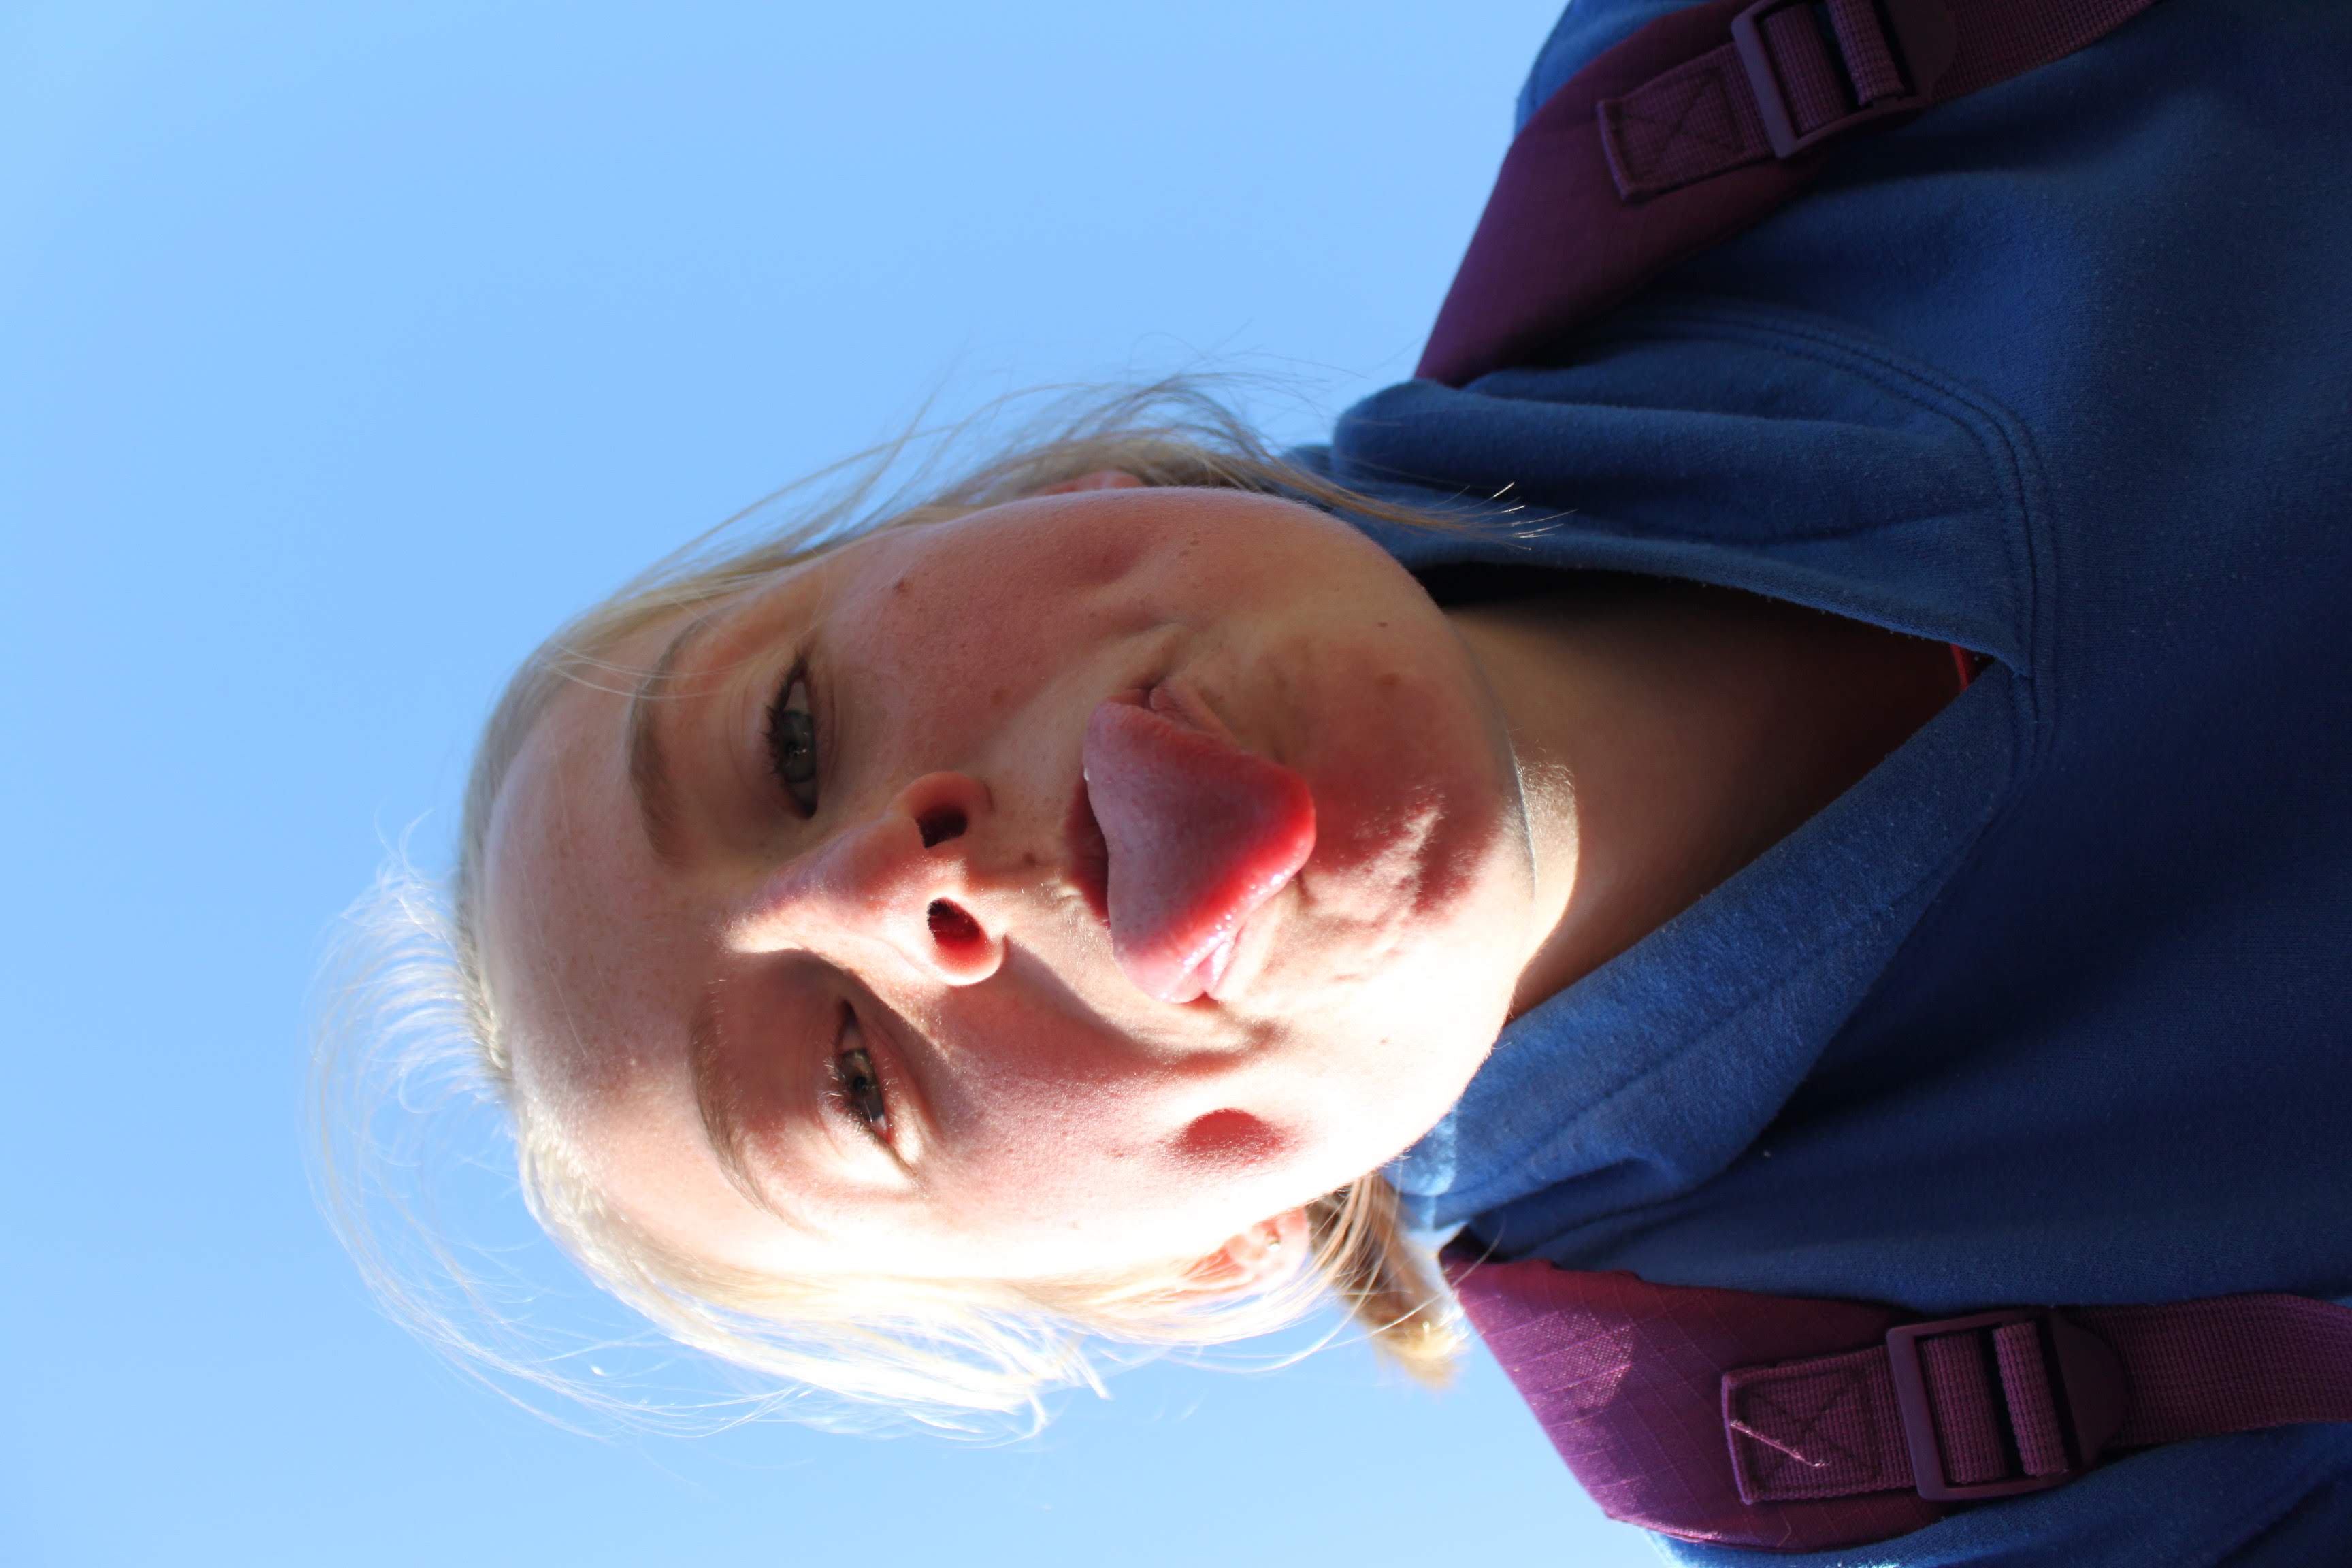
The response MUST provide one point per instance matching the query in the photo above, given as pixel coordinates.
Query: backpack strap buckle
(1874, 58)
(2033, 1414)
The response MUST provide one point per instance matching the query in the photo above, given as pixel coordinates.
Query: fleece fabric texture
(2056, 1004)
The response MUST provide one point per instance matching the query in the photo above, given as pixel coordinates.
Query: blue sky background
(346, 348)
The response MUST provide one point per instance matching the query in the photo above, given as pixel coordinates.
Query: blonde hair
(406, 1020)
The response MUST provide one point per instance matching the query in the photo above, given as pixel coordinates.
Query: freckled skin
(1056, 1118)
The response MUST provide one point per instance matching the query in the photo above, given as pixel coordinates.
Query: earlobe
(1100, 479)
(1259, 1259)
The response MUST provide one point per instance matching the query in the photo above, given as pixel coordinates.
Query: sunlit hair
(405, 1026)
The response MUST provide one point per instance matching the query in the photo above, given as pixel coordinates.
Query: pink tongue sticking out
(1200, 834)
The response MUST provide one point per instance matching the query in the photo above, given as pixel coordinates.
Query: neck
(1668, 733)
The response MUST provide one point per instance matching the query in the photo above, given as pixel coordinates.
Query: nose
(904, 878)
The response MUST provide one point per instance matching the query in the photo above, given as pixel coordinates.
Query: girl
(1820, 783)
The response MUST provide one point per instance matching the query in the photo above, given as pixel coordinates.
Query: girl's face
(844, 1002)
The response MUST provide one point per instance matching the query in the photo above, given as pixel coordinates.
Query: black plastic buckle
(1924, 40)
(2087, 1382)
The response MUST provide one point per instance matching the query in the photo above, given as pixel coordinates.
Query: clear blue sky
(344, 348)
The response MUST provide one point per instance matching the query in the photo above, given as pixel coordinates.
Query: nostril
(951, 927)
(939, 826)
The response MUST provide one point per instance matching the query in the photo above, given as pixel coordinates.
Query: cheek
(1045, 1094)
(1230, 1142)
(1052, 1122)
(953, 643)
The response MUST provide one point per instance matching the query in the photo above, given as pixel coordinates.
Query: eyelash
(788, 728)
(858, 1096)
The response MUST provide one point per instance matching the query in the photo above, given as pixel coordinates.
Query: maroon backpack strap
(1798, 1425)
(1700, 124)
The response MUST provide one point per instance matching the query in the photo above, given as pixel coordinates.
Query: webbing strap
(1801, 1424)
(2020, 1400)
(1700, 124)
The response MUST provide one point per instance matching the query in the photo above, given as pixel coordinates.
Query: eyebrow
(649, 775)
(715, 1103)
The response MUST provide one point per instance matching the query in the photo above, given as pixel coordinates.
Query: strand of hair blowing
(1384, 1280)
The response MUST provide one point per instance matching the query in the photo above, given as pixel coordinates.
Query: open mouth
(1192, 835)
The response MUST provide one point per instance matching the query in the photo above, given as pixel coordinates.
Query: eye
(857, 1086)
(792, 741)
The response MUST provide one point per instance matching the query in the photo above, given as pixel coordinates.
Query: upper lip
(1086, 856)
(1185, 706)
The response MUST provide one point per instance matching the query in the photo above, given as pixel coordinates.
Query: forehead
(595, 962)
(571, 893)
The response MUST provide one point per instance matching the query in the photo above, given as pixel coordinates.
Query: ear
(1100, 479)
(1259, 1259)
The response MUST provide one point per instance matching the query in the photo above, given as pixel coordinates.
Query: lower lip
(1221, 964)
(1239, 965)
(1184, 705)
(1211, 970)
